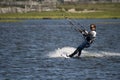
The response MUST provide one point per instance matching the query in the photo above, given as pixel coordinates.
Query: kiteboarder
(89, 38)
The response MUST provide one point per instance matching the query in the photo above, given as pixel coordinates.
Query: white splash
(68, 50)
(60, 51)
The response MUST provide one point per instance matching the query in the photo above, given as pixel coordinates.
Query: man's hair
(92, 26)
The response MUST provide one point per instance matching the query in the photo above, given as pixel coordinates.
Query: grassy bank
(59, 15)
(101, 11)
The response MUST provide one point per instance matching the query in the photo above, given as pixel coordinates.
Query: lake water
(31, 50)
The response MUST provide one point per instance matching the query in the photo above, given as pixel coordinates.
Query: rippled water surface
(31, 50)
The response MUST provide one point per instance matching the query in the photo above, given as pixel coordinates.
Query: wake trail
(68, 50)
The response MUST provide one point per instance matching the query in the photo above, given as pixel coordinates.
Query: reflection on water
(24, 46)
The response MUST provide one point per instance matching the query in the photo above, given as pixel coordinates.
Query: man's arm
(84, 33)
(80, 30)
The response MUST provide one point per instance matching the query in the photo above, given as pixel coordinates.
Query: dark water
(24, 47)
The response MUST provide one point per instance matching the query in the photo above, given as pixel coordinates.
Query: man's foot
(70, 56)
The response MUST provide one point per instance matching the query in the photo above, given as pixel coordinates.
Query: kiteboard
(67, 56)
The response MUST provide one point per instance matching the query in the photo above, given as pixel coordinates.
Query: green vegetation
(10, 20)
(106, 10)
(60, 14)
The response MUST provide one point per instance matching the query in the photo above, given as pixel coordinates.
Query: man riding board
(89, 38)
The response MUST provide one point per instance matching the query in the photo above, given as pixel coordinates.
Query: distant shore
(12, 17)
(86, 14)
(78, 11)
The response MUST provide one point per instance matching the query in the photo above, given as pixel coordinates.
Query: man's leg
(75, 52)
(81, 47)
(79, 52)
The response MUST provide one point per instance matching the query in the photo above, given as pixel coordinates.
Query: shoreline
(22, 19)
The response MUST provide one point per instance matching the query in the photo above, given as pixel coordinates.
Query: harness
(89, 37)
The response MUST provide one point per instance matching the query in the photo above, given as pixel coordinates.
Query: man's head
(93, 27)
